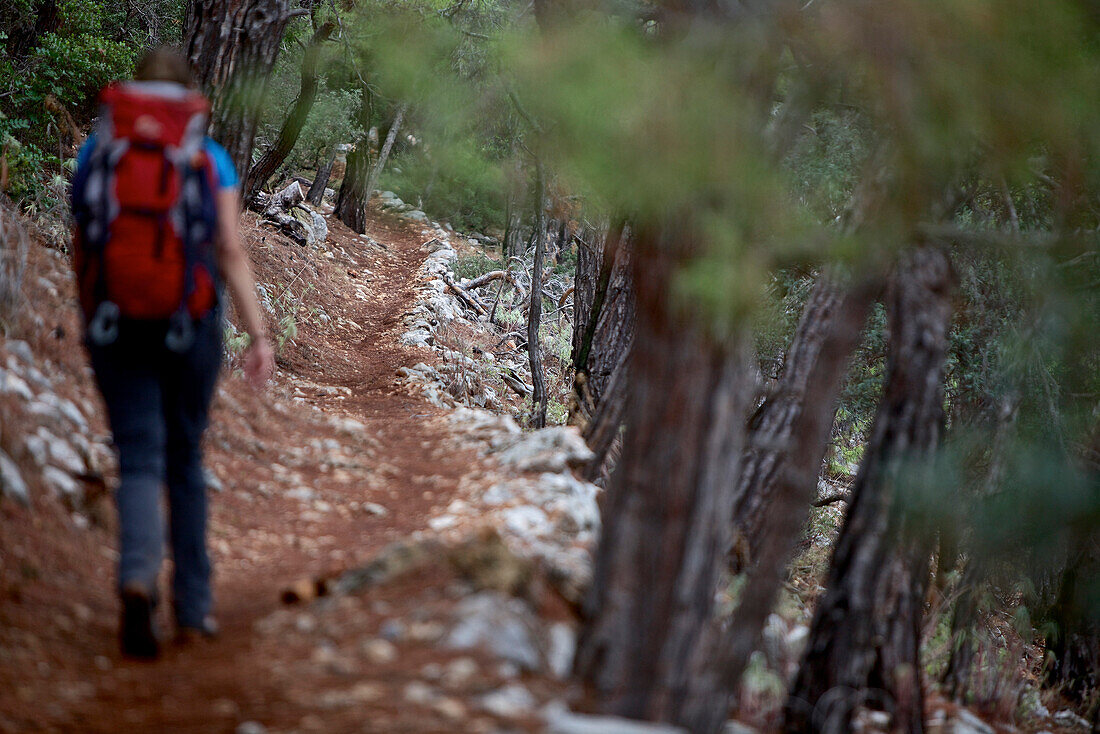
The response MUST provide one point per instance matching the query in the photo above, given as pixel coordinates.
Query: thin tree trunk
(1074, 643)
(351, 202)
(785, 474)
(771, 428)
(295, 119)
(534, 311)
(47, 19)
(960, 665)
(512, 236)
(603, 429)
(864, 640)
(391, 136)
(603, 316)
(665, 514)
(316, 193)
(232, 46)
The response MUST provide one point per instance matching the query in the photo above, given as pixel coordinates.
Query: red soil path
(291, 670)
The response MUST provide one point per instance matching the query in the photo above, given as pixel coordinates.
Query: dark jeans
(158, 401)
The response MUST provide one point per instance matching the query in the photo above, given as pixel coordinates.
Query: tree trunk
(46, 20)
(351, 203)
(391, 136)
(603, 429)
(603, 316)
(772, 426)
(665, 515)
(781, 465)
(1074, 643)
(295, 120)
(316, 193)
(534, 311)
(866, 630)
(232, 46)
(512, 235)
(960, 666)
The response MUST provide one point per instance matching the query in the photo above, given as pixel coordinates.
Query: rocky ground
(393, 554)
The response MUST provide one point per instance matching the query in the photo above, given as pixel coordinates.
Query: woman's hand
(259, 362)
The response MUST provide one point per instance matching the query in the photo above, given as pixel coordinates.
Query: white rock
(302, 494)
(966, 722)
(501, 624)
(459, 672)
(512, 701)
(562, 648)
(373, 508)
(419, 693)
(348, 425)
(11, 481)
(552, 450)
(63, 484)
(560, 720)
(1070, 720)
(736, 727)
(20, 349)
(380, 651)
(527, 521)
(61, 454)
(14, 385)
(442, 522)
(213, 483)
(38, 449)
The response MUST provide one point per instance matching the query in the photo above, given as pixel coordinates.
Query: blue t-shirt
(224, 169)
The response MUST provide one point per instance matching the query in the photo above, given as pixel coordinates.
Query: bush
(471, 266)
(462, 186)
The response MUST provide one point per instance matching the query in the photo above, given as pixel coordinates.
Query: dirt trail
(306, 493)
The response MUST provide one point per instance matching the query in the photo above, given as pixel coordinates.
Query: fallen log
(465, 296)
(489, 277)
(284, 209)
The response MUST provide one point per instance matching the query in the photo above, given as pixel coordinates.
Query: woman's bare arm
(259, 362)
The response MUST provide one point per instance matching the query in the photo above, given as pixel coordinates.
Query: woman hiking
(156, 204)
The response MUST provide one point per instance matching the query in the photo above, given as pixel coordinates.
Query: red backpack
(146, 218)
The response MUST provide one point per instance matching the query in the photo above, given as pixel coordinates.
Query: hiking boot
(136, 634)
(205, 630)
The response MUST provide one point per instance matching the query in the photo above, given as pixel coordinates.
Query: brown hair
(164, 64)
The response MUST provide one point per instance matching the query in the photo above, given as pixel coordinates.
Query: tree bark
(603, 429)
(316, 193)
(771, 427)
(603, 316)
(534, 311)
(391, 136)
(46, 20)
(351, 203)
(232, 46)
(665, 515)
(295, 120)
(781, 464)
(1074, 643)
(960, 665)
(866, 629)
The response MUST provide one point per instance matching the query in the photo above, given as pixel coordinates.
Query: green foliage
(459, 184)
(93, 43)
(332, 119)
(471, 266)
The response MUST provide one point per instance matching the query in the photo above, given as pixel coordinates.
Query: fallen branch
(841, 496)
(468, 298)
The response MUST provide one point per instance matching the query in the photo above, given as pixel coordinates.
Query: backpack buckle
(181, 332)
(103, 328)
